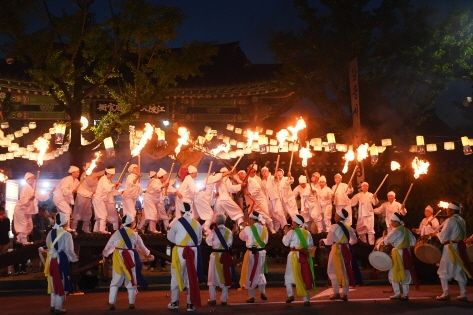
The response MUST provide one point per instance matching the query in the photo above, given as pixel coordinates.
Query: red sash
(409, 264)
(55, 273)
(188, 255)
(226, 260)
(346, 254)
(129, 264)
(253, 268)
(305, 270)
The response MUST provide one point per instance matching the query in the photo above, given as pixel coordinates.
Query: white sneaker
(190, 308)
(173, 306)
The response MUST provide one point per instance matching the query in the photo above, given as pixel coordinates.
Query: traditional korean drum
(380, 257)
(428, 250)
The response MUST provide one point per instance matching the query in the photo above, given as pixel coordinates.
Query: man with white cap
(365, 223)
(340, 196)
(60, 248)
(153, 202)
(286, 194)
(63, 194)
(453, 264)
(186, 191)
(303, 191)
(254, 262)
(25, 208)
(258, 197)
(400, 275)
(273, 197)
(299, 266)
(104, 202)
(220, 239)
(132, 190)
(339, 268)
(390, 207)
(313, 203)
(83, 203)
(429, 225)
(225, 203)
(186, 264)
(325, 194)
(204, 199)
(125, 244)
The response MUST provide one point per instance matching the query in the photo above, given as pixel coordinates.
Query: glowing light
(184, 135)
(251, 136)
(305, 154)
(41, 144)
(282, 136)
(443, 204)
(362, 152)
(300, 124)
(166, 123)
(420, 167)
(221, 148)
(395, 166)
(93, 163)
(348, 157)
(84, 123)
(147, 134)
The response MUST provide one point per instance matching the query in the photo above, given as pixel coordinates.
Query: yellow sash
(338, 262)
(399, 274)
(455, 258)
(118, 264)
(175, 263)
(246, 260)
(218, 264)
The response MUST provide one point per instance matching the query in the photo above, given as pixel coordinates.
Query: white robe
(225, 203)
(365, 202)
(83, 202)
(261, 201)
(342, 201)
(395, 238)
(153, 203)
(203, 199)
(25, 208)
(103, 195)
(247, 236)
(130, 194)
(428, 226)
(304, 194)
(213, 241)
(388, 209)
(291, 240)
(314, 206)
(276, 210)
(63, 194)
(288, 199)
(325, 199)
(188, 190)
(454, 230)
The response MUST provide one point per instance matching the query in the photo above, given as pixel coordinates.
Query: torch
(183, 139)
(93, 163)
(300, 124)
(394, 167)
(420, 167)
(208, 173)
(348, 157)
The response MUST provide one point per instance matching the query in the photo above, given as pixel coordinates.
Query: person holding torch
(365, 223)
(63, 194)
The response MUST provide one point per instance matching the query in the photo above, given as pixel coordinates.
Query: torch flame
(93, 163)
(3, 178)
(395, 166)
(282, 136)
(147, 134)
(300, 124)
(41, 144)
(362, 152)
(420, 167)
(443, 204)
(221, 148)
(348, 157)
(252, 136)
(184, 135)
(304, 154)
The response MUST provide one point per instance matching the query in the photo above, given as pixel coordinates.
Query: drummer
(429, 224)
(390, 207)
(400, 274)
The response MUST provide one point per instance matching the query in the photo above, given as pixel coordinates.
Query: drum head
(427, 253)
(380, 261)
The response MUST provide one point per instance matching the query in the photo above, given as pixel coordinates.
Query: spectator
(41, 224)
(4, 236)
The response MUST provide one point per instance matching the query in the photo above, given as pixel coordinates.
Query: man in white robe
(341, 191)
(63, 194)
(429, 225)
(225, 203)
(204, 199)
(288, 199)
(313, 204)
(83, 203)
(259, 198)
(365, 223)
(390, 207)
(132, 190)
(103, 202)
(270, 187)
(152, 200)
(303, 191)
(186, 191)
(325, 194)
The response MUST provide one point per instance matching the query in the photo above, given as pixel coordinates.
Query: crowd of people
(259, 205)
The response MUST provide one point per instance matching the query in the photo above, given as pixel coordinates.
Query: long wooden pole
(208, 172)
(290, 161)
(236, 163)
(380, 185)
(36, 182)
(407, 194)
(123, 172)
(352, 174)
(277, 163)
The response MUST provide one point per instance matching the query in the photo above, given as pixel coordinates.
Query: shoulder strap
(126, 238)
(257, 237)
(221, 238)
(189, 230)
(300, 235)
(344, 229)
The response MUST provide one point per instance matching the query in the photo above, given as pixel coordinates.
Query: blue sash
(193, 236)
(221, 238)
(64, 264)
(138, 265)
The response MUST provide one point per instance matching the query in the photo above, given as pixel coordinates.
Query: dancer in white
(132, 190)
(63, 197)
(341, 191)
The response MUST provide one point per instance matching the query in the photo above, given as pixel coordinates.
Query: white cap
(453, 206)
(342, 213)
(298, 219)
(110, 170)
(28, 175)
(338, 175)
(322, 179)
(396, 217)
(131, 167)
(191, 169)
(302, 179)
(223, 170)
(365, 184)
(73, 169)
(280, 170)
(264, 168)
(127, 220)
(161, 173)
(152, 174)
(429, 208)
(60, 220)
(241, 171)
(391, 193)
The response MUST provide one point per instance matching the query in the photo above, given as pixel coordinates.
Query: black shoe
(263, 296)
(290, 299)
(307, 303)
(131, 306)
(173, 306)
(250, 300)
(223, 303)
(211, 302)
(111, 307)
(190, 308)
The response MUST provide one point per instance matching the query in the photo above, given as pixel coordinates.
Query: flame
(221, 148)
(362, 152)
(41, 144)
(443, 204)
(252, 136)
(304, 154)
(93, 163)
(147, 134)
(395, 166)
(300, 124)
(3, 178)
(348, 157)
(420, 167)
(184, 135)
(282, 136)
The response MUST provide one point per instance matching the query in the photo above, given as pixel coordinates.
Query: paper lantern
(60, 131)
(466, 146)
(316, 142)
(32, 125)
(341, 147)
(247, 150)
(381, 149)
(448, 146)
(420, 144)
(274, 149)
(13, 147)
(431, 147)
(386, 142)
(3, 157)
(230, 127)
(4, 125)
(9, 156)
(269, 132)
(25, 130)
(238, 131)
(413, 149)
(233, 142)
(18, 134)
(331, 142)
(273, 142)
(240, 145)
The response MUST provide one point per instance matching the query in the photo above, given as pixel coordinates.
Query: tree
(407, 55)
(74, 55)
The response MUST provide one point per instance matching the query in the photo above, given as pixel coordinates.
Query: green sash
(254, 231)
(303, 242)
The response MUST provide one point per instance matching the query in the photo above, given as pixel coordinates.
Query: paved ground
(364, 300)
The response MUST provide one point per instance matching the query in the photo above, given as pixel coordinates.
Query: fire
(41, 144)
(221, 148)
(420, 167)
(252, 136)
(282, 136)
(3, 178)
(147, 134)
(395, 166)
(443, 204)
(184, 135)
(348, 157)
(304, 154)
(300, 124)
(93, 163)
(362, 152)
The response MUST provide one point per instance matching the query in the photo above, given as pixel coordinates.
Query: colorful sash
(140, 280)
(401, 264)
(246, 258)
(302, 266)
(346, 254)
(225, 260)
(58, 269)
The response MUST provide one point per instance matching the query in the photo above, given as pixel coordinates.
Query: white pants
(57, 301)
(213, 293)
(448, 270)
(327, 213)
(290, 292)
(129, 207)
(277, 213)
(261, 288)
(82, 212)
(117, 281)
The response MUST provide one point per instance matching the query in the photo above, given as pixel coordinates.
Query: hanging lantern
(238, 131)
(32, 125)
(431, 147)
(448, 146)
(230, 127)
(386, 142)
(59, 131)
(4, 125)
(18, 134)
(374, 154)
(108, 144)
(466, 146)
(331, 142)
(420, 144)
(25, 129)
(269, 132)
